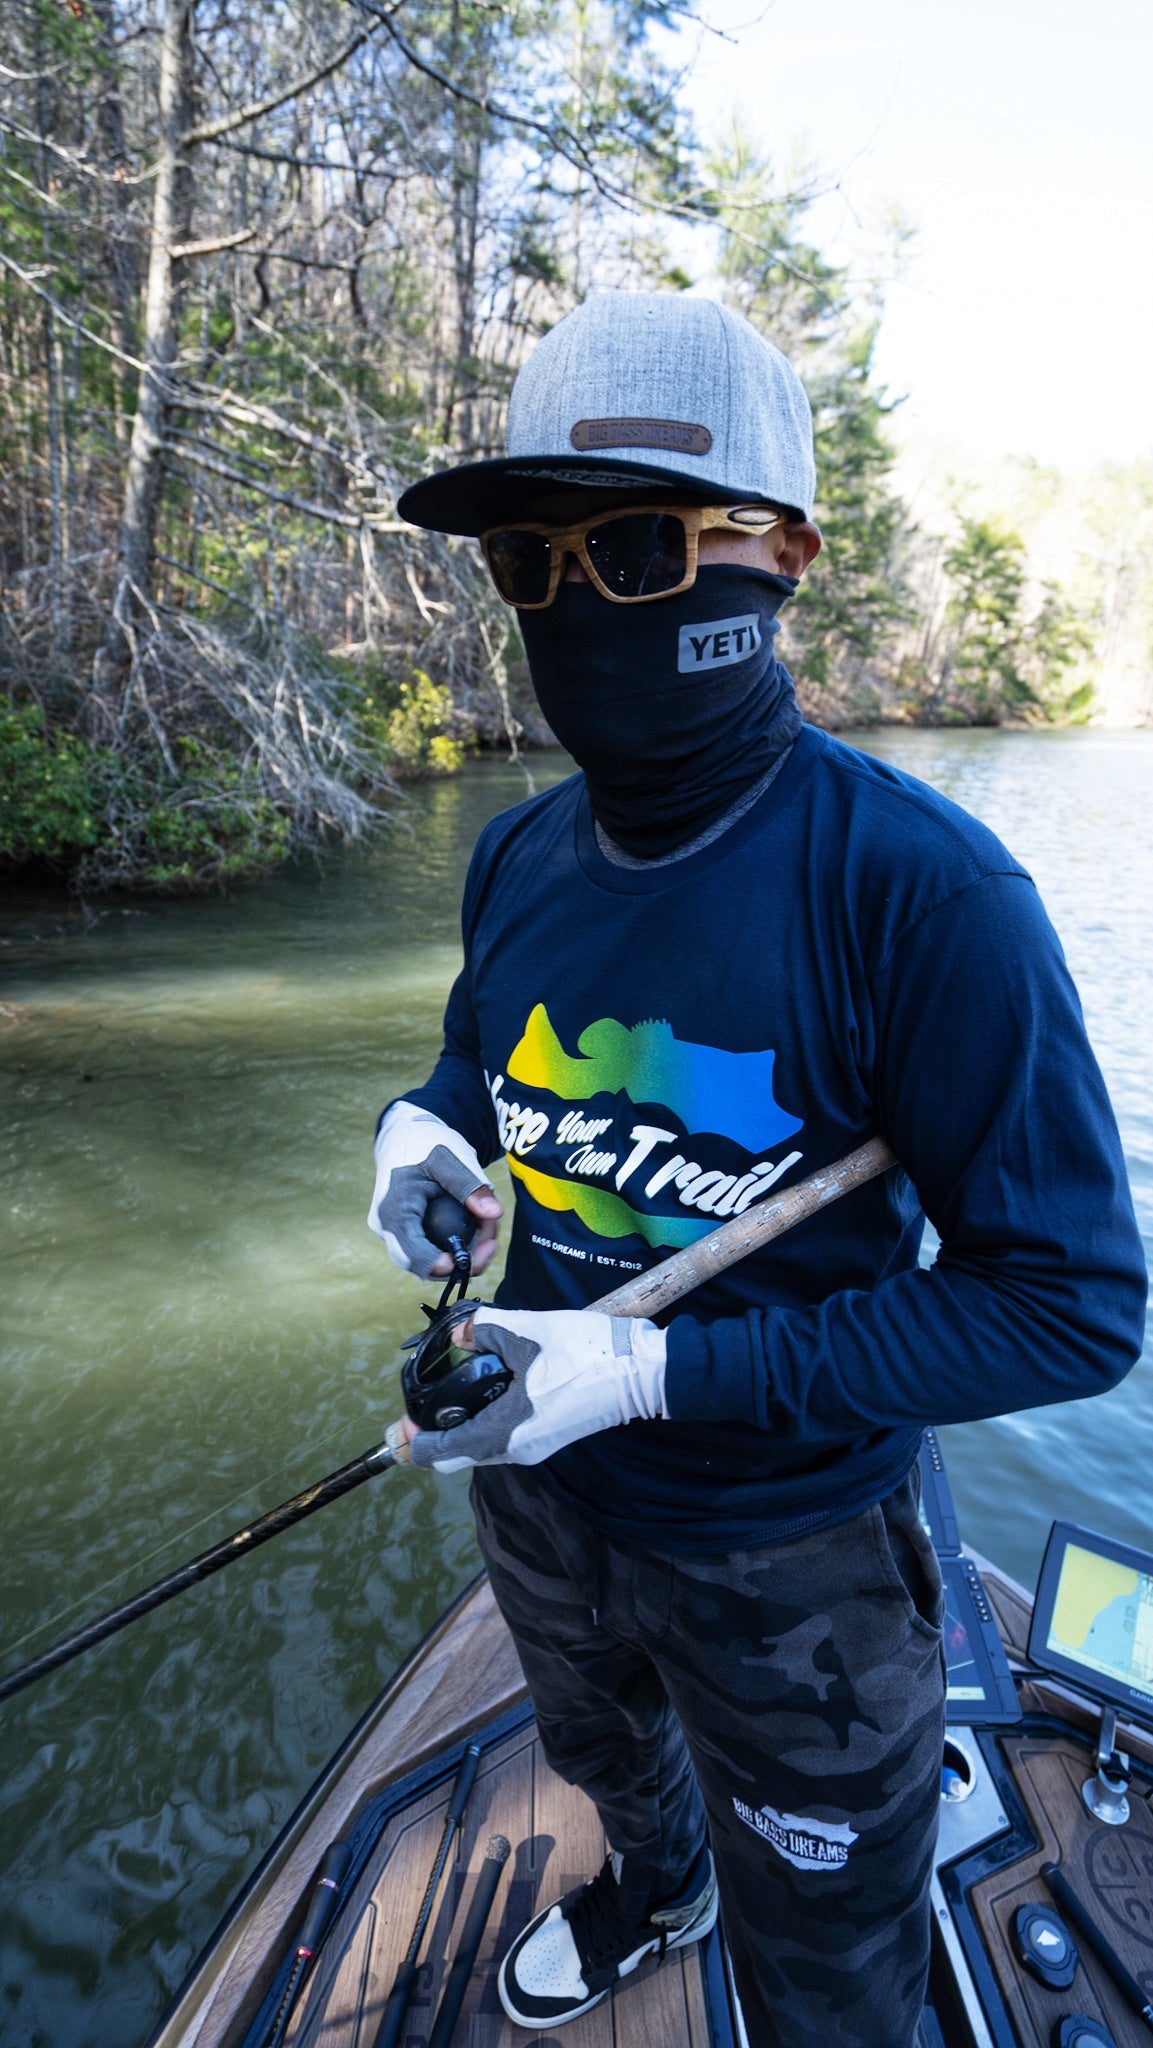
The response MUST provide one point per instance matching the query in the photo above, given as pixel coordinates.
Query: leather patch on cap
(676, 434)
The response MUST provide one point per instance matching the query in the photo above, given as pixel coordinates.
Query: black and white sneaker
(572, 1954)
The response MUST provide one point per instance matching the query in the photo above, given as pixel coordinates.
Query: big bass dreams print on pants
(793, 1693)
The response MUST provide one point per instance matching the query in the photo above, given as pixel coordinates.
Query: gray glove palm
(419, 1156)
(574, 1372)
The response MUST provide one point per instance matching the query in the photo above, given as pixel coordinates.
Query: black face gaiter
(672, 709)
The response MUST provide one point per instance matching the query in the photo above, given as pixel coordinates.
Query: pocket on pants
(653, 1595)
(908, 1561)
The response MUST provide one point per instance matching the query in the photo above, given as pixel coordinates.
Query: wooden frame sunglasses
(661, 547)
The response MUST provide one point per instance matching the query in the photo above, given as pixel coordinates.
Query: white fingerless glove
(574, 1372)
(417, 1157)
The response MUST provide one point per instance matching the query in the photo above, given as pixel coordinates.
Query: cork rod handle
(650, 1292)
(657, 1289)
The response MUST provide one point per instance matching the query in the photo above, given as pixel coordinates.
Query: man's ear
(800, 545)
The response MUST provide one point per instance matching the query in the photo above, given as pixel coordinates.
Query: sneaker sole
(681, 1937)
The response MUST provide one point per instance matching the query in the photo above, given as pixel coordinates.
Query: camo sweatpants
(791, 1697)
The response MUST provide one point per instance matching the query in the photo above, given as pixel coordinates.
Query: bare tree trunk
(55, 487)
(465, 228)
(170, 212)
(467, 153)
(121, 261)
(577, 211)
(56, 507)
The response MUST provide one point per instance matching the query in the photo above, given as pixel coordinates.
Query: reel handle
(443, 1386)
(450, 1226)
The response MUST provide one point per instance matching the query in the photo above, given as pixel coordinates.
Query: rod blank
(468, 1948)
(392, 2021)
(209, 1561)
(645, 1295)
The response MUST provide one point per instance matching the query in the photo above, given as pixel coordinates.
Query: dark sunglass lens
(640, 554)
(520, 564)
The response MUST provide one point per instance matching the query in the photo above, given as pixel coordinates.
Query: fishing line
(179, 1536)
(454, 1386)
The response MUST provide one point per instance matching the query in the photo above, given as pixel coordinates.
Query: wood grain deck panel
(1110, 1868)
(556, 1841)
(700, 2033)
(651, 2006)
(571, 1843)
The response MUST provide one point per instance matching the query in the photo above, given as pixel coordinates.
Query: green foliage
(854, 596)
(1058, 641)
(213, 826)
(434, 205)
(106, 818)
(986, 567)
(411, 724)
(52, 791)
(1004, 662)
(1004, 650)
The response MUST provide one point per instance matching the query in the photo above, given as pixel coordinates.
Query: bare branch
(697, 209)
(353, 521)
(307, 163)
(197, 576)
(213, 245)
(211, 131)
(76, 159)
(245, 412)
(78, 327)
(305, 262)
(45, 198)
(556, 134)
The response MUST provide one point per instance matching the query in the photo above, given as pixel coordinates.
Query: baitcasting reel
(443, 1385)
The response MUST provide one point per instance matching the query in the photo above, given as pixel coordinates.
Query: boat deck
(464, 1679)
(394, 1778)
(1111, 1869)
(557, 1841)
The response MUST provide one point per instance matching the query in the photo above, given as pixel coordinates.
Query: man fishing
(724, 954)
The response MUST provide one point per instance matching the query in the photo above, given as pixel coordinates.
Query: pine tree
(855, 594)
(1004, 658)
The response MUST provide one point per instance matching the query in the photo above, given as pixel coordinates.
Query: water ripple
(197, 1324)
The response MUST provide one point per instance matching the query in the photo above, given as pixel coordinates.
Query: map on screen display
(1103, 1617)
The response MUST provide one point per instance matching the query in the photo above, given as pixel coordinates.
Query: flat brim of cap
(482, 494)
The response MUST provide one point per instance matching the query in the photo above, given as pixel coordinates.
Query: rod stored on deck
(472, 1934)
(320, 1910)
(392, 2023)
(1103, 1949)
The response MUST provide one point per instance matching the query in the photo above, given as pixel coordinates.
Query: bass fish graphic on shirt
(640, 1133)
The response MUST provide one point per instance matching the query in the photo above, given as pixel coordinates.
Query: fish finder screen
(965, 1680)
(1103, 1618)
(980, 1684)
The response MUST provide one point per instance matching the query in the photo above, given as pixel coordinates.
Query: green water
(196, 1323)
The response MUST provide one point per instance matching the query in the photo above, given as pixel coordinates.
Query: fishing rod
(321, 1908)
(496, 1855)
(444, 1386)
(392, 2025)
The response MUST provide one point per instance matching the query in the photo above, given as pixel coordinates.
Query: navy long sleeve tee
(654, 1049)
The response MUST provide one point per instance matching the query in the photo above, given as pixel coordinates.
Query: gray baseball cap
(637, 390)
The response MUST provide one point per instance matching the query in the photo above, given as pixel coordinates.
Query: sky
(1017, 139)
